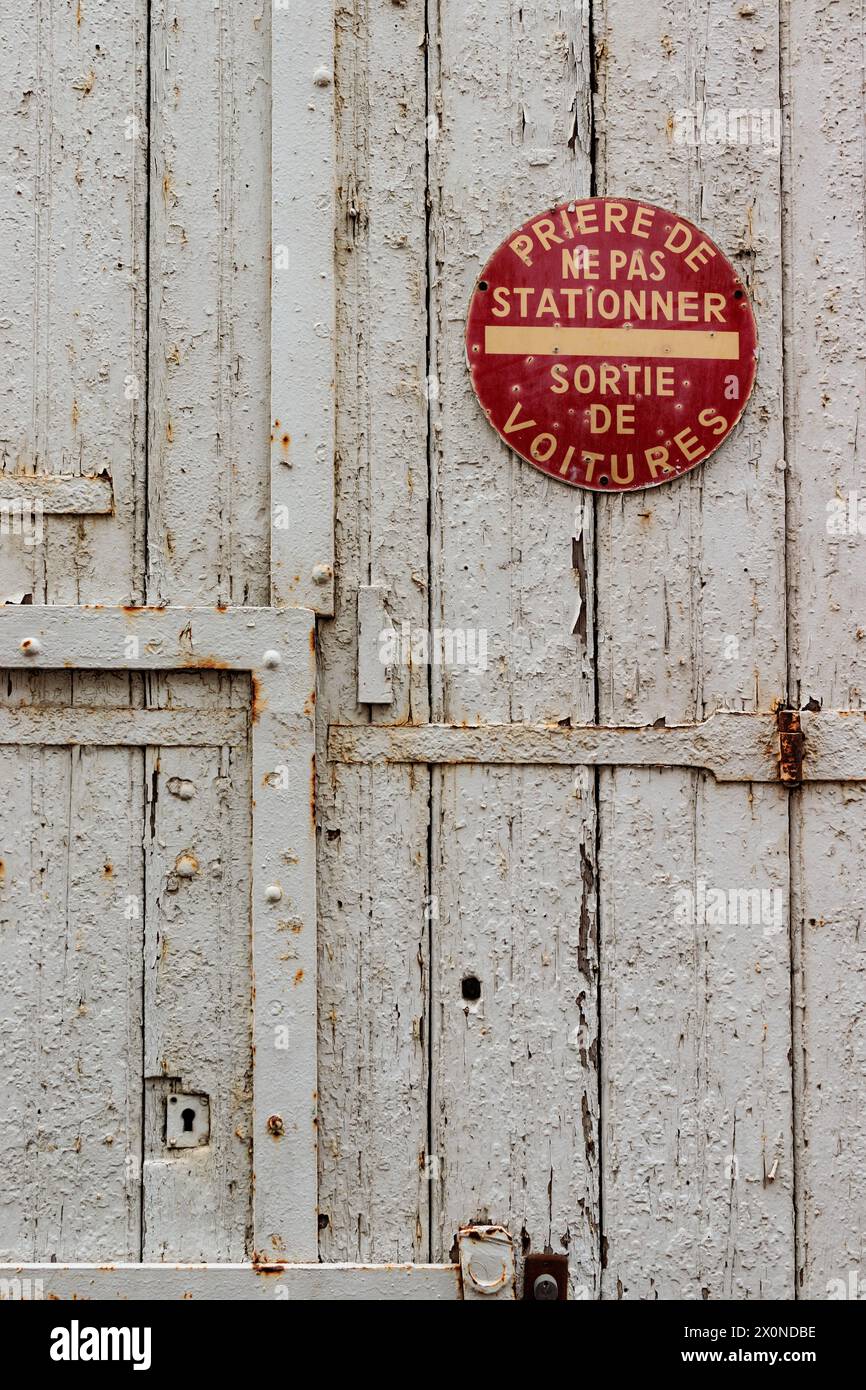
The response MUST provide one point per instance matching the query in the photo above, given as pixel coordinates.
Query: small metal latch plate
(792, 743)
(486, 1262)
(187, 1120)
(540, 1274)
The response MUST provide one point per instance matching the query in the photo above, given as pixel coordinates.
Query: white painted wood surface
(302, 150)
(696, 1104)
(209, 377)
(70, 999)
(826, 386)
(73, 285)
(421, 1283)
(376, 1174)
(514, 1078)
(197, 1203)
(514, 1024)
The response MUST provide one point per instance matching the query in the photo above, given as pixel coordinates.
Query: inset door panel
(126, 981)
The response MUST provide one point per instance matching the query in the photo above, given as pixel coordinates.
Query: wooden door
(361, 793)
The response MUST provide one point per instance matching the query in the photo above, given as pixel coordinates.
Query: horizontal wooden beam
(272, 644)
(59, 494)
(68, 725)
(321, 1282)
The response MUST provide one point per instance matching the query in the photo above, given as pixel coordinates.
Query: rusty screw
(276, 1128)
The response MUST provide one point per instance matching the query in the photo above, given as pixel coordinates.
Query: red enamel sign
(611, 344)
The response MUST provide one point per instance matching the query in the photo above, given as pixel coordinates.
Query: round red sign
(611, 344)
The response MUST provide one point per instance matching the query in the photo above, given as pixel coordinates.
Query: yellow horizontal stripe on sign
(612, 342)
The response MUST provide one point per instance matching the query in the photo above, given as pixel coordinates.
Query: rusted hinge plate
(786, 746)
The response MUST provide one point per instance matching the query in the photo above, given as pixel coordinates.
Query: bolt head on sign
(611, 344)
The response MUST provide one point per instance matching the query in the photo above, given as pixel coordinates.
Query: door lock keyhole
(187, 1120)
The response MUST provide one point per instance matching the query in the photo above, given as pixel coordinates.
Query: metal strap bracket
(785, 745)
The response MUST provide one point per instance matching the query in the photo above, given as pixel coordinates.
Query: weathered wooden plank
(302, 306)
(70, 941)
(694, 979)
(373, 1164)
(274, 646)
(197, 1202)
(374, 914)
(60, 494)
(826, 388)
(326, 1283)
(691, 599)
(829, 1068)
(208, 476)
(286, 981)
(515, 1087)
(375, 678)
(73, 209)
(114, 728)
(513, 1009)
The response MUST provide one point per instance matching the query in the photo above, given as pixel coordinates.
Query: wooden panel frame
(277, 649)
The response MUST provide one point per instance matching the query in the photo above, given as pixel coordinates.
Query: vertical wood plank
(208, 478)
(197, 1203)
(73, 208)
(696, 1138)
(374, 918)
(302, 305)
(691, 596)
(285, 948)
(70, 979)
(515, 1085)
(826, 389)
(208, 541)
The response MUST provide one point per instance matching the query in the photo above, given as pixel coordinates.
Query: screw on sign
(611, 344)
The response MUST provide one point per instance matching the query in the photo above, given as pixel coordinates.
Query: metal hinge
(786, 746)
